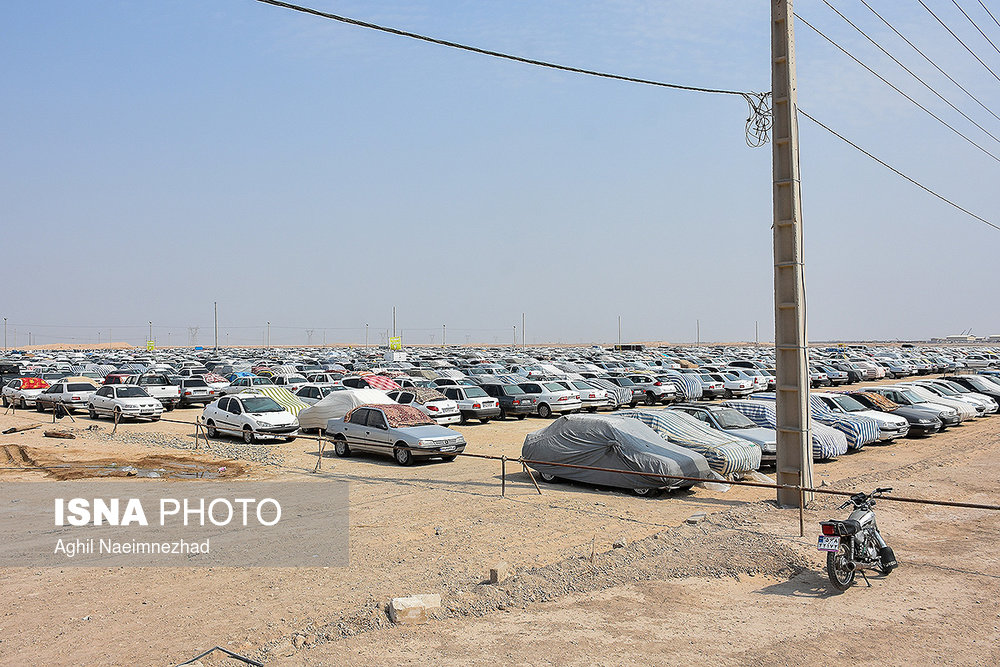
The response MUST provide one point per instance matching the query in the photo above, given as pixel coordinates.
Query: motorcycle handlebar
(886, 489)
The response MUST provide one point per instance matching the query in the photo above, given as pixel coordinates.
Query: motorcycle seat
(847, 527)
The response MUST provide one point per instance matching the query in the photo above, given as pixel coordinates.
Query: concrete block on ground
(499, 572)
(414, 609)
(696, 518)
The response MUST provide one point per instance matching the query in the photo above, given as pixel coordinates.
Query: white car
(68, 395)
(431, 402)
(552, 397)
(251, 416)
(290, 382)
(473, 403)
(242, 384)
(890, 426)
(314, 393)
(121, 401)
(23, 391)
(733, 386)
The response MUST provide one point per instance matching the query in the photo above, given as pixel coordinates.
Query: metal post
(503, 476)
(5, 334)
(150, 330)
(394, 321)
(514, 344)
(794, 464)
(444, 335)
(697, 324)
(216, 305)
(619, 332)
(523, 346)
(268, 335)
(366, 335)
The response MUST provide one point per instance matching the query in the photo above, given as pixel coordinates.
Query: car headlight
(925, 421)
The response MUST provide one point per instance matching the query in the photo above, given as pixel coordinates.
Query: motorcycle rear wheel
(837, 568)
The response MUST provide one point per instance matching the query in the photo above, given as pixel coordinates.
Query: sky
(159, 157)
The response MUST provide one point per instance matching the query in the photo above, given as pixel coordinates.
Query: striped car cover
(828, 443)
(623, 395)
(859, 431)
(727, 455)
(687, 384)
(281, 396)
(380, 382)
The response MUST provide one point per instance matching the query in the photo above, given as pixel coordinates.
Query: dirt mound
(159, 466)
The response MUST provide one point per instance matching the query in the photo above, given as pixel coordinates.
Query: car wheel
(521, 416)
(591, 410)
(212, 431)
(546, 477)
(544, 411)
(169, 407)
(290, 438)
(6, 403)
(91, 412)
(404, 457)
(449, 458)
(462, 420)
(645, 491)
(650, 398)
(248, 435)
(39, 407)
(340, 447)
(118, 414)
(633, 404)
(502, 416)
(484, 420)
(727, 393)
(24, 404)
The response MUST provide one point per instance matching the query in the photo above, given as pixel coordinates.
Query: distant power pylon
(193, 335)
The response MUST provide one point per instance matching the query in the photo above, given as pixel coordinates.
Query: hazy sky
(159, 156)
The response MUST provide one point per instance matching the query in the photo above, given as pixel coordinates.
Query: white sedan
(431, 402)
(249, 416)
(22, 391)
(123, 401)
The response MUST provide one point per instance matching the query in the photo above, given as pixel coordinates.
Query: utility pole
(216, 304)
(523, 345)
(444, 335)
(619, 332)
(150, 330)
(514, 344)
(697, 324)
(366, 335)
(5, 334)
(394, 321)
(794, 464)
(269, 335)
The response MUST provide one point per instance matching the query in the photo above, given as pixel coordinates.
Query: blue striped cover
(859, 431)
(687, 385)
(726, 454)
(621, 394)
(828, 443)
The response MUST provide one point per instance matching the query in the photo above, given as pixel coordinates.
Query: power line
(758, 123)
(886, 82)
(910, 72)
(989, 12)
(931, 12)
(898, 172)
(925, 57)
(976, 26)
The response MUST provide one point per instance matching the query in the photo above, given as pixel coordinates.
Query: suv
(655, 390)
(473, 403)
(513, 400)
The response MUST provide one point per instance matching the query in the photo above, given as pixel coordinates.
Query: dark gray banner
(174, 524)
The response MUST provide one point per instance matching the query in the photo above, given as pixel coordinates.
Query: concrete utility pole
(794, 465)
(216, 305)
(268, 335)
(619, 332)
(394, 321)
(444, 335)
(523, 346)
(150, 330)
(697, 325)
(5, 334)
(366, 335)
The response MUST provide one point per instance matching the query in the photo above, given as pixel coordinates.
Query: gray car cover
(612, 442)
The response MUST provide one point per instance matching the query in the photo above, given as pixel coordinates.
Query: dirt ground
(740, 587)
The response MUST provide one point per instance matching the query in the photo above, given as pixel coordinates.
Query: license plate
(448, 448)
(828, 543)
(199, 392)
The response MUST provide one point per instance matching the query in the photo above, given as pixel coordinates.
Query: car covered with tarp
(626, 448)
(827, 442)
(726, 454)
(336, 405)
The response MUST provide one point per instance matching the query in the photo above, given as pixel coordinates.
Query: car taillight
(515, 402)
(187, 393)
(476, 405)
(76, 398)
(828, 529)
(432, 408)
(211, 392)
(564, 398)
(593, 396)
(657, 384)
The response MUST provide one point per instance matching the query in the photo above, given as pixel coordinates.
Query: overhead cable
(886, 82)
(976, 26)
(951, 32)
(898, 172)
(925, 57)
(910, 72)
(758, 123)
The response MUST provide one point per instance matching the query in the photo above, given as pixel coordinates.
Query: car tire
(212, 431)
(521, 416)
(633, 404)
(169, 407)
(502, 416)
(39, 407)
(403, 456)
(484, 420)
(650, 398)
(24, 404)
(91, 412)
(544, 411)
(591, 410)
(248, 437)
(340, 447)
(6, 403)
(290, 438)
(449, 458)
(547, 478)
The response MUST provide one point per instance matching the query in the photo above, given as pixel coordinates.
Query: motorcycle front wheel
(838, 568)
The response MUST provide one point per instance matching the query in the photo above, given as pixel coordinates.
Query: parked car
(734, 423)
(194, 390)
(22, 392)
(243, 383)
(977, 383)
(158, 386)
(551, 397)
(402, 431)
(951, 390)
(710, 387)
(473, 403)
(734, 386)
(654, 389)
(514, 402)
(431, 402)
(592, 396)
(251, 416)
(637, 393)
(290, 382)
(70, 396)
(922, 420)
(890, 426)
(123, 401)
(948, 415)
(314, 393)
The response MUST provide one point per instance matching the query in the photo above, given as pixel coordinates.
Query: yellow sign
(396, 343)
(150, 345)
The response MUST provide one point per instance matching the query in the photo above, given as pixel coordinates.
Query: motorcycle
(855, 543)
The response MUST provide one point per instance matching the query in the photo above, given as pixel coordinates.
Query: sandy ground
(741, 587)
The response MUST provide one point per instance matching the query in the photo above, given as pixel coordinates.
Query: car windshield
(325, 391)
(708, 378)
(942, 389)
(582, 385)
(195, 383)
(625, 382)
(132, 392)
(261, 404)
(512, 390)
(849, 404)
(981, 385)
(954, 386)
(554, 386)
(732, 419)
(912, 396)
(475, 392)
(261, 381)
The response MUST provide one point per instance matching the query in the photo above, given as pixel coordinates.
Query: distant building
(956, 338)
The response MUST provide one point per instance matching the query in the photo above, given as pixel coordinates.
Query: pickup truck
(158, 386)
(473, 403)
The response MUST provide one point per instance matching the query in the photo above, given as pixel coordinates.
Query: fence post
(503, 476)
